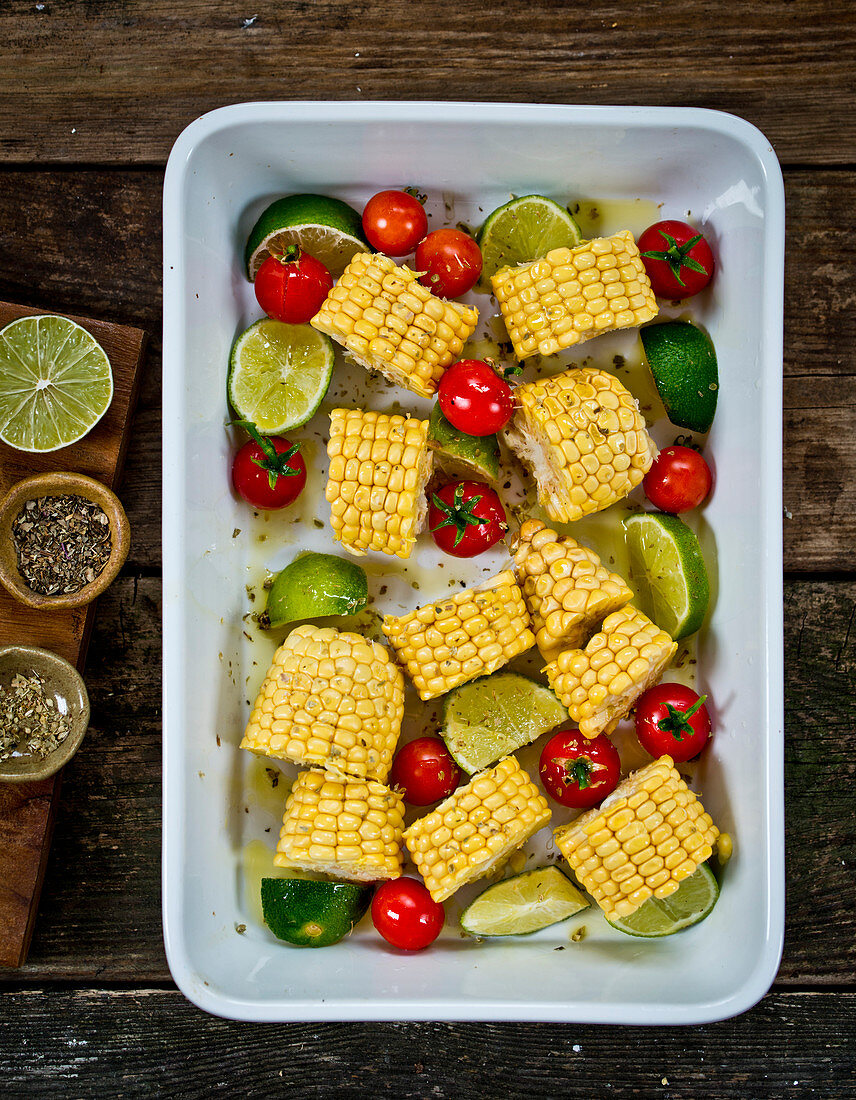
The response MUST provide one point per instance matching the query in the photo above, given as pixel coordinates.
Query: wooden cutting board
(27, 810)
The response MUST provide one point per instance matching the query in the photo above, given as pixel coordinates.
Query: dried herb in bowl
(30, 720)
(62, 542)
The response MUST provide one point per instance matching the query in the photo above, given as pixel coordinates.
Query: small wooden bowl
(61, 484)
(65, 684)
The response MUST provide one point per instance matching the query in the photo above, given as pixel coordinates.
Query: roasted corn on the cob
(331, 701)
(567, 590)
(585, 439)
(476, 828)
(573, 294)
(379, 466)
(467, 635)
(344, 827)
(647, 837)
(599, 684)
(391, 323)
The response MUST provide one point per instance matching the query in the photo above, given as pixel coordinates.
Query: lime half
(326, 228)
(690, 903)
(496, 715)
(316, 585)
(668, 572)
(523, 904)
(683, 364)
(278, 374)
(312, 914)
(462, 455)
(55, 383)
(522, 230)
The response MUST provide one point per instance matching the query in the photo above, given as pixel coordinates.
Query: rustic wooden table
(92, 96)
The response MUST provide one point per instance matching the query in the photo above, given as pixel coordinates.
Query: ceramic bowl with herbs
(63, 539)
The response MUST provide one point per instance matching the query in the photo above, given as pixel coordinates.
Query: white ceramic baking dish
(222, 171)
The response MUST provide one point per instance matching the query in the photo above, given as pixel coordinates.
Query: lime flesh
(690, 903)
(326, 228)
(462, 455)
(668, 572)
(316, 585)
(683, 364)
(522, 230)
(55, 383)
(312, 914)
(278, 374)
(523, 904)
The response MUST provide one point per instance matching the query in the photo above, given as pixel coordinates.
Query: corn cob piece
(585, 439)
(599, 684)
(391, 323)
(331, 701)
(642, 842)
(476, 828)
(343, 827)
(573, 294)
(455, 640)
(567, 590)
(379, 466)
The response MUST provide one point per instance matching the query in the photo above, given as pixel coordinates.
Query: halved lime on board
(522, 230)
(691, 902)
(316, 585)
(523, 904)
(278, 374)
(683, 364)
(496, 715)
(55, 383)
(668, 572)
(326, 228)
(462, 455)
(313, 914)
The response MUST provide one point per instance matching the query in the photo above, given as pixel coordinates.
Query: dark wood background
(92, 95)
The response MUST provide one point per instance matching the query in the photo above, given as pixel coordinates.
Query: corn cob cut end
(642, 842)
(477, 828)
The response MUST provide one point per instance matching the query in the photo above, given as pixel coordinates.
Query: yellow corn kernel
(344, 827)
(584, 438)
(465, 636)
(332, 701)
(502, 806)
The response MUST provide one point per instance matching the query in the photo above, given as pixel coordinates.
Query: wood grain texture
(119, 80)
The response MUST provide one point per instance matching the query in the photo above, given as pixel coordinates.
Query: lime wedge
(683, 364)
(312, 914)
(278, 374)
(462, 456)
(326, 228)
(524, 229)
(690, 903)
(55, 383)
(523, 904)
(496, 715)
(313, 586)
(668, 572)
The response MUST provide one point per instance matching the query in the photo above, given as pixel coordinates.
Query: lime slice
(55, 383)
(668, 572)
(278, 374)
(313, 586)
(312, 914)
(690, 903)
(496, 715)
(523, 904)
(683, 364)
(326, 228)
(522, 230)
(461, 455)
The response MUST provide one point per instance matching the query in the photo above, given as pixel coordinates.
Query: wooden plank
(133, 1042)
(27, 810)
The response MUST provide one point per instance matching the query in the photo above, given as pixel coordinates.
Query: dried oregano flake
(30, 723)
(63, 543)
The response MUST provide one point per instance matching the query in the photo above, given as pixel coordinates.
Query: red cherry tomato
(425, 771)
(451, 260)
(677, 258)
(291, 287)
(466, 518)
(678, 480)
(474, 399)
(577, 771)
(672, 719)
(406, 915)
(268, 472)
(394, 222)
